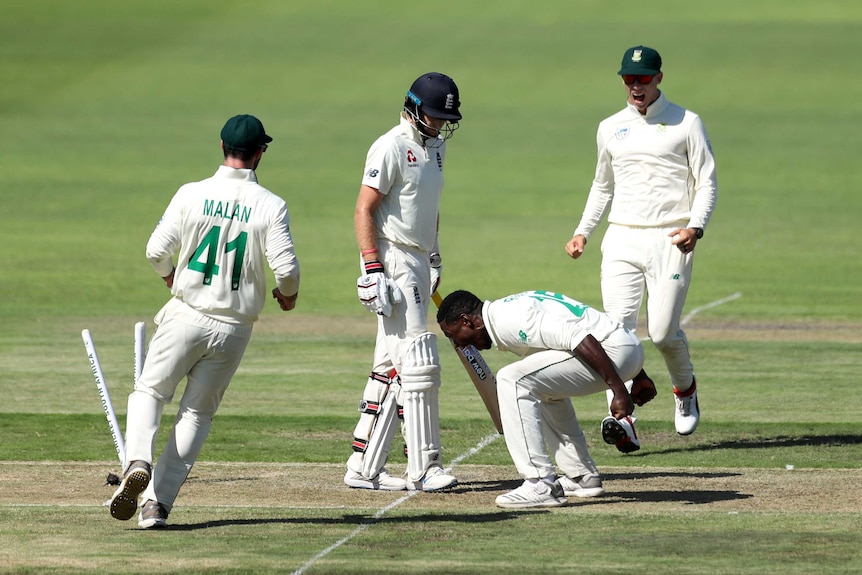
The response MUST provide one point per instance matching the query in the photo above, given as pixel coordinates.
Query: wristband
(366, 252)
(373, 267)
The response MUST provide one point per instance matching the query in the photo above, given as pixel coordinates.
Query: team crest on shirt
(411, 159)
(622, 133)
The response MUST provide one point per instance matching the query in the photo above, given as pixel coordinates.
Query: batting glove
(373, 292)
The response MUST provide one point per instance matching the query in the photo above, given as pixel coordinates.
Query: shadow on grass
(351, 520)
(762, 443)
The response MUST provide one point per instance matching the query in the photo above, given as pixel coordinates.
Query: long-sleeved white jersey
(225, 229)
(400, 167)
(533, 321)
(654, 170)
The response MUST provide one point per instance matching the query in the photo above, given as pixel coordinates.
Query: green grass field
(106, 108)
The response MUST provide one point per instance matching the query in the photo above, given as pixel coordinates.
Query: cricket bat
(480, 374)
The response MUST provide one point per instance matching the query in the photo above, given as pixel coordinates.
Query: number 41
(209, 267)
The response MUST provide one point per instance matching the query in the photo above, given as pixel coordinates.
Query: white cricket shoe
(533, 493)
(124, 501)
(153, 515)
(687, 413)
(383, 481)
(621, 433)
(434, 479)
(582, 486)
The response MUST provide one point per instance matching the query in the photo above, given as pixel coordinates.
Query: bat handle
(437, 299)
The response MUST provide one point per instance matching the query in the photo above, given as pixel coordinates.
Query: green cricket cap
(640, 60)
(244, 133)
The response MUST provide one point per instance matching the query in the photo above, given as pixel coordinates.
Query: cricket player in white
(396, 223)
(223, 231)
(568, 349)
(656, 171)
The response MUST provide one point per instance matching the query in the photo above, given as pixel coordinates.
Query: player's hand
(286, 302)
(436, 271)
(643, 389)
(169, 279)
(684, 239)
(373, 292)
(622, 405)
(575, 246)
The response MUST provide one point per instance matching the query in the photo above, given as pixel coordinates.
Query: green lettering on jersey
(223, 210)
(577, 310)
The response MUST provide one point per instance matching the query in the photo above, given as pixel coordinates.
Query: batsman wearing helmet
(396, 223)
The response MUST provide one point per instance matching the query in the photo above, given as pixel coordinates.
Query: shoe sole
(530, 504)
(124, 503)
(430, 488)
(374, 486)
(152, 524)
(613, 432)
(589, 492)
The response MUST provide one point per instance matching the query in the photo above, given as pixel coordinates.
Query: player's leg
(569, 449)
(667, 287)
(206, 384)
(523, 388)
(380, 410)
(625, 255)
(564, 377)
(171, 354)
(416, 360)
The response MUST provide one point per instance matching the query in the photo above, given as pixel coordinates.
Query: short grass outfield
(107, 107)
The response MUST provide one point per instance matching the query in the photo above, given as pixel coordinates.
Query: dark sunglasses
(644, 79)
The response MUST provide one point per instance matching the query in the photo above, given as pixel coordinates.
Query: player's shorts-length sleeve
(381, 164)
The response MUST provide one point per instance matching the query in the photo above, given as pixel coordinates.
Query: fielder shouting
(396, 224)
(224, 230)
(656, 171)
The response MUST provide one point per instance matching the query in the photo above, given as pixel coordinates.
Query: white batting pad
(420, 369)
(376, 427)
(420, 380)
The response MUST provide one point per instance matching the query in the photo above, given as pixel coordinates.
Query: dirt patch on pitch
(319, 486)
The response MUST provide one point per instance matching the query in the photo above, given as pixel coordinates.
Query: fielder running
(225, 229)
(396, 223)
(568, 349)
(656, 171)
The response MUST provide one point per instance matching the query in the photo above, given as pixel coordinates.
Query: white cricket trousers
(638, 260)
(536, 409)
(411, 270)
(177, 350)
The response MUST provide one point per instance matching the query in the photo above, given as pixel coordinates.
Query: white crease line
(362, 527)
(716, 303)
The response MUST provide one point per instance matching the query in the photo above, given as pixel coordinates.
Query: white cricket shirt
(410, 176)
(533, 321)
(654, 170)
(225, 229)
